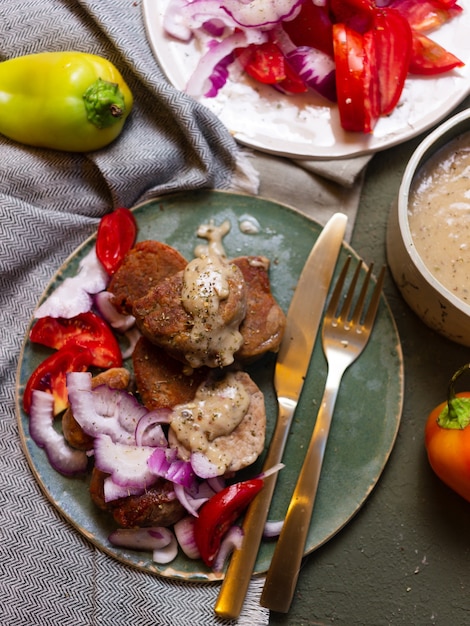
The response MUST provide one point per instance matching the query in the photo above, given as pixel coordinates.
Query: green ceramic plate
(368, 409)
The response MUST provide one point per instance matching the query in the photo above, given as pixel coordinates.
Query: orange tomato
(447, 440)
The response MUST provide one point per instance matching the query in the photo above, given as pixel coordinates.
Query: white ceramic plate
(307, 126)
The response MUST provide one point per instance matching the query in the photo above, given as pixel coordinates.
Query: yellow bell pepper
(71, 101)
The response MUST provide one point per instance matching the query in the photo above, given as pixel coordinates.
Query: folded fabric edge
(253, 614)
(344, 172)
(341, 171)
(246, 177)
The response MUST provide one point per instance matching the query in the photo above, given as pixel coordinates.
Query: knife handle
(237, 577)
(284, 570)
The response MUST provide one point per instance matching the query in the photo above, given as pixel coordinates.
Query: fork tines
(346, 306)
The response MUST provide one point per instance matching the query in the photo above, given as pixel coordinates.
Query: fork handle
(284, 570)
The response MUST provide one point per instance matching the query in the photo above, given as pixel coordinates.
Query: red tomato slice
(393, 44)
(357, 14)
(425, 15)
(86, 329)
(312, 27)
(356, 79)
(50, 375)
(446, 3)
(264, 62)
(292, 83)
(219, 513)
(429, 58)
(116, 236)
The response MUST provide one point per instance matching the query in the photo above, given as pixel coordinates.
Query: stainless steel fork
(344, 337)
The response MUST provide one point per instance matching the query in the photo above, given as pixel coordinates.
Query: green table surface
(404, 559)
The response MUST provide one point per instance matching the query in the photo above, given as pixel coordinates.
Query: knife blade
(303, 320)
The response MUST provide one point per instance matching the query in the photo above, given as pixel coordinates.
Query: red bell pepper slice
(263, 62)
(50, 375)
(312, 27)
(428, 58)
(86, 329)
(217, 515)
(393, 45)
(116, 236)
(356, 78)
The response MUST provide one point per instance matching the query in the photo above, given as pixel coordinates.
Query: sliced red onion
(132, 336)
(184, 531)
(174, 22)
(181, 473)
(149, 431)
(164, 463)
(160, 461)
(98, 412)
(62, 457)
(128, 465)
(271, 470)
(118, 405)
(214, 27)
(202, 467)
(200, 82)
(232, 541)
(282, 39)
(190, 503)
(204, 490)
(183, 18)
(261, 14)
(273, 529)
(219, 76)
(72, 297)
(316, 69)
(167, 553)
(151, 538)
(113, 491)
(158, 539)
(107, 310)
(216, 484)
(193, 497)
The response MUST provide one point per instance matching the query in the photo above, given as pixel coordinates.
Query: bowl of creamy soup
(428, 234)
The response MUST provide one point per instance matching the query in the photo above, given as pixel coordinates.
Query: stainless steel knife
(303, 320)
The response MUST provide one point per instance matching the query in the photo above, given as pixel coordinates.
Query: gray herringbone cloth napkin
(50, 202)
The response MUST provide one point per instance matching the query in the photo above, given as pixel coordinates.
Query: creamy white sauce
(217, 409)
(205, 285)
(249, 225)
(439, 215)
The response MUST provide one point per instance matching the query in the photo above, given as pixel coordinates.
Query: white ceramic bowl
(438, 307)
